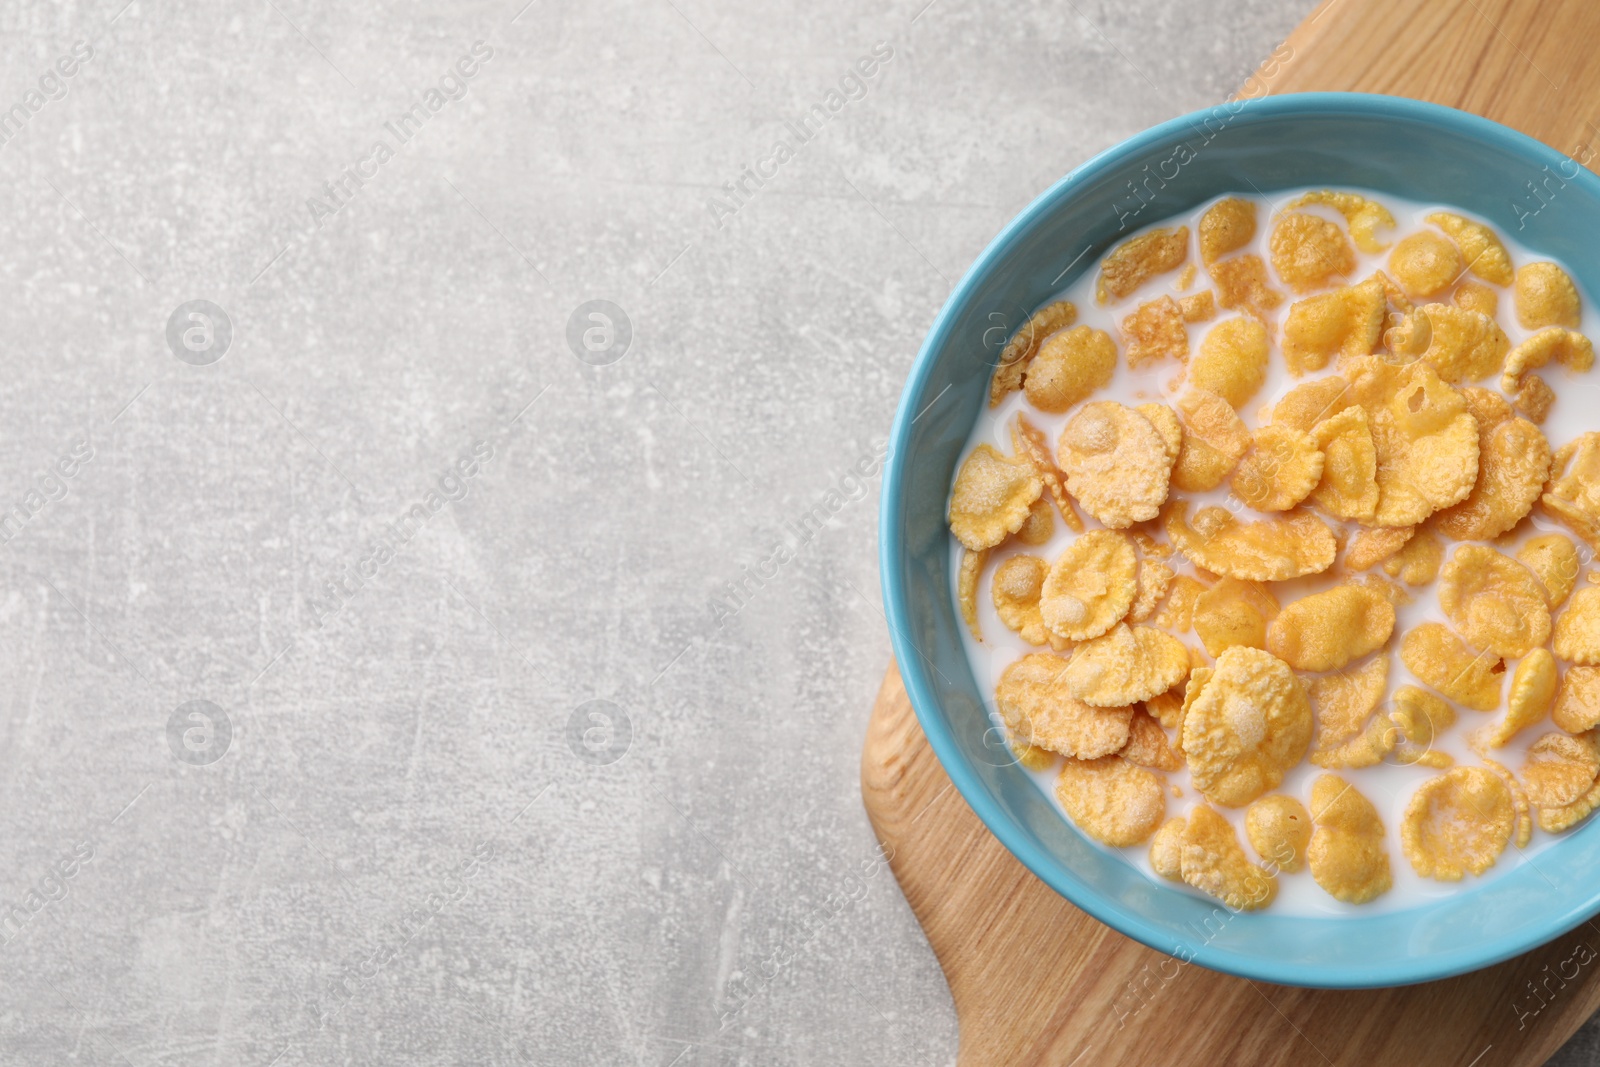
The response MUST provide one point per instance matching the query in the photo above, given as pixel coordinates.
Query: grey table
(440, 602)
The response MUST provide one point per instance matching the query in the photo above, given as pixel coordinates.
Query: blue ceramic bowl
(1410, 149)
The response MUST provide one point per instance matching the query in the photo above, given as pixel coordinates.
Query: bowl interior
(1418, 151)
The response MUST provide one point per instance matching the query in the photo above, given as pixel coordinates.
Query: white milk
(1388, 786)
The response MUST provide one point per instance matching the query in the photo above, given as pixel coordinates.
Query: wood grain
(1035, 980)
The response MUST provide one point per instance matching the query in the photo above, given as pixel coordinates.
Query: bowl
(1415, 150)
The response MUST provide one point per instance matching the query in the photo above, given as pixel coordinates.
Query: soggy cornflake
(1227, 226)
(1457, 822)
(1185, 277)
(1368, 548)
(967, 587)
(1312, 403)
(1232, 613)
(1090, 586)
(1177, 614)
(1533, 691)
(1349, 734)
(1166, 849)
(1513, 463)
(1116, 463)
(1112, 800)
(1024, 345)
(1399, 302)
(1155, 578)
(1347, 322)
(1425, 264)
(1212, 861)
(1418, 562)
(1154, 332)
(1577, 629)
(1040, 525)
(1349, 485)
(1135, 262)
(1553, 559)
(1545, 296)
(1242, 283)
(1426, 439)
(1461, 345)
(1309, 252)
(1015, 590)
(1326, 630)
(1555, 820)
(1348, 858)
(1560, 769)
(1281, 469)
(1480, 247)
(1148, 745)
(1167, 708)
(1573, 492)
(1214, 440)
(1126, 664)
(1364, 217)
(1030, 443)
(1069, 366)
(1232, 361)
(1034, 699)
(1533, 398)
(991, 497)
(1165, 420)
(1495, 602)
(1577, 707)
(1476, 297)
(1444, 662)
(1279, 829)
(1246, 723)
(1419, 718)
(1200, 307)
(1566, 347)
(1294, 544)
(1519, 803)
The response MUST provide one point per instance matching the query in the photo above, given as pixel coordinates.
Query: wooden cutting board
(1035, 980)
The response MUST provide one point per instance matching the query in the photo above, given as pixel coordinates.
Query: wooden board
(1036, 981)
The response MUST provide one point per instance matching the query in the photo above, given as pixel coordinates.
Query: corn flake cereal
(1030, 443)
(1022, 347)
(1555, 820)
(1112, 800)
(1458, 822)
(1343, 702)
(1177, 614)
(1349, 485)
(1519, 802)
(1480, 247)
(1198, 308)
(1135, 262)
(1246, 724)
(1444, 662)
(1015, 590)
(1373, 546)
(1214, 440)
(1115, 463)
(1425, 264)
(1419, 717)
(1281, 469)
(1166, 849)
(1069, 366)
(1155, 578)
(1577, 630)
(991, 497)
(1347, 322)
(1418, 562)
(1326, 630)
(1566, 347)
(1425, 438)
(1312, 403)
(1033, 757)
(1212, 861)
(1227, 226)
(1577, 707)
(1148, 745)
(1364, 217)
(1035, 701)
(1533, 691)
(1242, 283)
(1155, 331)
(1347, 854)
(1090, 586)
(1477, 297)
(1545, 296)
(1308, 252)
(1462, 345)
(1040, 525)
(1553, 559)
(1232, 361)
(1560, 769)
(1533, 398)
(1279, 829)
(1125, 665)
(1573, 492)
(1234, 612)
(1495, 602)
(1272, 550)
(967, 591)
(1165, 420)
(1513, 463)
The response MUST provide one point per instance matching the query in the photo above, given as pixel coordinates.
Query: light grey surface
(693, 884)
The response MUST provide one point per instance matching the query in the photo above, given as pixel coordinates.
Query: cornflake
(1425, 264)
(1232, 613)
(1347, 854)
(1457, 822)
(1461, 345)
(1033, 757)
(1148, 746)
(1154, 332)
(1519, 802)
(1495, 602)
(1307, 252)
(1566, 347)
(1232, 361)
(1513, 463)
(1165, 420)
(1111, 800)
(1555, 820)
(1418, 562)
(1425, 438)
(1125, 665)
(1135, 262)
(1177, 613)
(1036, 703)
(1573, 492)
(1024, 344)
(1015, 589)
(1030, 443)
(1577, 630)
(1420, 717)
(1281, 469)
(1166, 849)
(1480, 247)
(991, 497)
(1242, 283)
(1560, 769)
(1212, 861)
(1040, 525)
(1115, 463)
(1533, 691)
(1476, 297)
(1347, 322)
(1313, 403)
(1090, 587)
(1279, 829)
(1199, 307)
(1553, 559)
(1227, 226)
(1272, 550)
(1214, 440)
(1364, 217)
(1444, 662)
(1545, 296)
(967, 587)
(1534, 398)
(1577, 707)
(1155, 578)
(1068, 367)
(1349, 485)
(1245, 724)
(1371, 547)
(1325, 631)
(1348, 734)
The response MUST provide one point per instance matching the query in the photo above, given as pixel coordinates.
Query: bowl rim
(896, 603)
